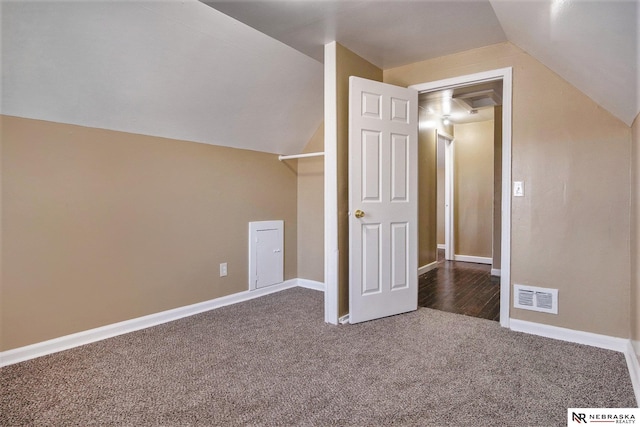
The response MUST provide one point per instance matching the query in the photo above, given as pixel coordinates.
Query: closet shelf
(300, 156)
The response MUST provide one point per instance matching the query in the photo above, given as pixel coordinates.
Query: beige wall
(347, 64)
(571, 230)
(430, 219)
(311, 211)
(473, 189)
(635, 229)
(102, 226)
(427, 196)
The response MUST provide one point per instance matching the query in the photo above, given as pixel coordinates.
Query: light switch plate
(223, 269)
(518, 189)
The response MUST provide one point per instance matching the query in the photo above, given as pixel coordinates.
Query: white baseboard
(66, 342)
(426, 268)
(607, 342)
(634, 368)
(570, 335)
(441, 246)
(495, 272)
(311, 284)
(470, 258)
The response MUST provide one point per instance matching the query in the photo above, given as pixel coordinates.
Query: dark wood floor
(461, 287)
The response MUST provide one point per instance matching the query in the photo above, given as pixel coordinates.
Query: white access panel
(266, 253)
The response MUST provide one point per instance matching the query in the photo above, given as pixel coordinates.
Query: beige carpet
(273, 361)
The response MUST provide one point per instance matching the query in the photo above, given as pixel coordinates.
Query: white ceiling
(386, 33)
(181, 69)
(175, 69)
(593, 44)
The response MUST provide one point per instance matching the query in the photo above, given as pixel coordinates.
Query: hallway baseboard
(474, 259)
(426, 268)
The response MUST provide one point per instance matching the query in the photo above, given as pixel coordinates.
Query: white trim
(300, 156)
(506, 74)
(445, 134)
(343, 320)
(449, 196)
(570, 335)
(428, 267)
(482, 77)
(495, 272)
(607, 342)
(505, 245)
(441, 245)
(311, 284)
(634, 368)
(331, 254)
(471, 258)
(66, 342)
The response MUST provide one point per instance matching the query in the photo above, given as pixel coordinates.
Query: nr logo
(579, 418)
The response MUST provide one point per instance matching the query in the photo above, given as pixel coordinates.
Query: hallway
(462, 288)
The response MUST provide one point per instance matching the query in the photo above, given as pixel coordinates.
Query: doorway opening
(460, 124)
(468, 124)
(332, 252)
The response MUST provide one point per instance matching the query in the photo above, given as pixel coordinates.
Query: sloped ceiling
(175, 69)
(593, 44)
(184, 70)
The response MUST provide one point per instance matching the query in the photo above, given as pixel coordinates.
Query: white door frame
(449, 172)
(504, 74)
(331, 253)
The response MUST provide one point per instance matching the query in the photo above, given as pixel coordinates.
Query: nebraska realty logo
(581, 416)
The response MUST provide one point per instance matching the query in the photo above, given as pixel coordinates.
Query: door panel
(399, 255)
(371, 255)
(371, 164)
(383, 149)
(269, 258)
(399, 167)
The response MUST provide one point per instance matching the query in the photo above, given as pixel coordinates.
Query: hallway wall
(473, 189)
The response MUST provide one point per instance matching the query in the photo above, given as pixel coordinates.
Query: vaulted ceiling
(591, 43)
(248, 74)
(175, 69)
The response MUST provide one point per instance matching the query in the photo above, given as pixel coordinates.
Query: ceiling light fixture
(445, 120)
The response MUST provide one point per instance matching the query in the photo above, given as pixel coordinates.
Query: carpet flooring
(273, 361)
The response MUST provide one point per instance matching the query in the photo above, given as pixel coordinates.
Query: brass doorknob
(359, 213)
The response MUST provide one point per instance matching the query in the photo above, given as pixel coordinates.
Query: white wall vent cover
(536, 299)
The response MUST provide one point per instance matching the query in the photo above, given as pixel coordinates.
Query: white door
(383, 200)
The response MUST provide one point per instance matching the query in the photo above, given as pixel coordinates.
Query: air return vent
(536, 299)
